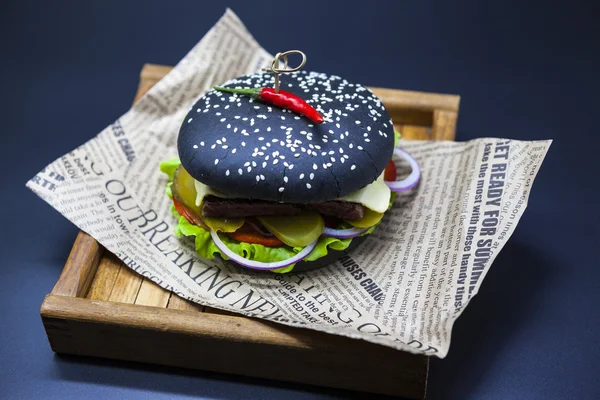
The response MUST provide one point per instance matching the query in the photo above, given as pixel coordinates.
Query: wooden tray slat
(127, 286)
(151, 294)
(177, 303)
(99, 307)
(105, 278)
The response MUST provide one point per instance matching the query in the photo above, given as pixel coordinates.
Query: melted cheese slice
(375, 196)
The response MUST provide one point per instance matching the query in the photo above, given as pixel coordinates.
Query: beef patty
(217, 207)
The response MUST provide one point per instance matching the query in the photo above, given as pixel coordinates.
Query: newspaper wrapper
(403, 287)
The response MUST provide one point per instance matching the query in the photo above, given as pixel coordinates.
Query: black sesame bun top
(248, 149)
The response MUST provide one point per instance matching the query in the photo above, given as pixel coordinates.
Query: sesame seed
(315, 167)
(189, 120)
(233, 151)
(285, 179)
(302, 176)
(353, 167)
(308, 186)
(195, 146)
(223, 119)
(240, 171)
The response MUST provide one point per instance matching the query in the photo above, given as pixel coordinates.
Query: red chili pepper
(281, 99)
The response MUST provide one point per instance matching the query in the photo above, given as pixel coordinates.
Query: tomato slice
(249, 235)
(390, 172)
(189, 215)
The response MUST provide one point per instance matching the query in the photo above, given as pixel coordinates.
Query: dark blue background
(525, 70)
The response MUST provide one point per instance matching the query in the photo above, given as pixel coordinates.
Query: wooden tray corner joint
(101, 308)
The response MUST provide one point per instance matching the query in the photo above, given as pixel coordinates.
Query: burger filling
(270, 231)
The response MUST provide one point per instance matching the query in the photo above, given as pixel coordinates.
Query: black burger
(283, 180)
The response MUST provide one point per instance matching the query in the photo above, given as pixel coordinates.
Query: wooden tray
(101, 308)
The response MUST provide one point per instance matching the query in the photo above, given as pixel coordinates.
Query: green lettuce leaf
(397, 136)
(169, 167)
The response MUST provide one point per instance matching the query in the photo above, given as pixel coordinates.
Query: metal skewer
(275, 65)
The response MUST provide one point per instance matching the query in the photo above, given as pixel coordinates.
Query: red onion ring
(344, 233)
(258, 264)
(414, 177)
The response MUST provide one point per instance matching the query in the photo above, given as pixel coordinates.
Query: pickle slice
(368, 220)
(295, 230)
(184, 191)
